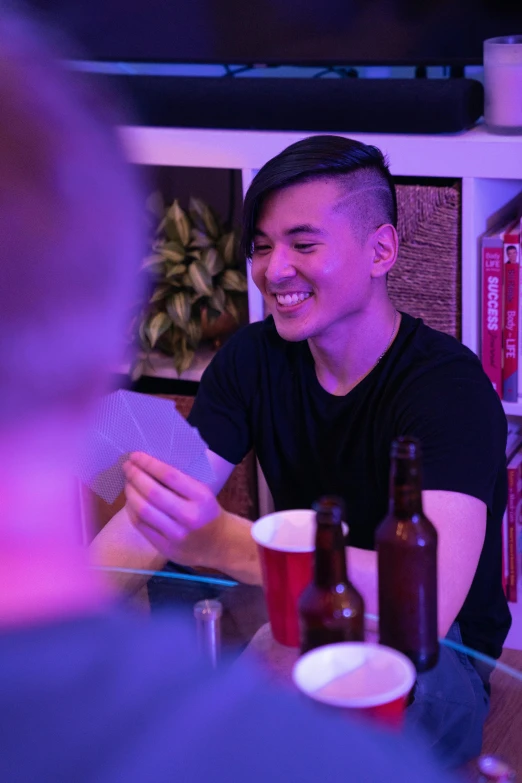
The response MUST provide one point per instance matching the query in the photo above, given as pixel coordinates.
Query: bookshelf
(489, 167)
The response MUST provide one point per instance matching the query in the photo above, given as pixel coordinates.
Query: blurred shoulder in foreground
(88, 693)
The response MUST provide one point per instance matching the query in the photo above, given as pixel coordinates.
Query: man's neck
(348, 353)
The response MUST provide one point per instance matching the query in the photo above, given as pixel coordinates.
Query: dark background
(305, 32)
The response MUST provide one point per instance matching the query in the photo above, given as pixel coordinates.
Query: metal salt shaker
(208, 629)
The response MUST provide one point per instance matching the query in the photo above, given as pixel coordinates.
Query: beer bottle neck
(405, 487)
(330, 557)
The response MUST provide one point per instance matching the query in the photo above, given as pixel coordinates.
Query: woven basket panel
(426, 280)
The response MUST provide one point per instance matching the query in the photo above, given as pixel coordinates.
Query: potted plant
(197, 286)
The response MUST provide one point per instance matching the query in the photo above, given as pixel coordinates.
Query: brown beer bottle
(406, 544)
(330, 608)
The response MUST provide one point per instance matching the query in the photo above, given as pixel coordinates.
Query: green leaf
(161, 226)
(182, 355)
(158, 325)
(155, 204)
(227, 248)
(204, 217)
(174, 251)
(178, 308)
(218, 300)
(212, 262)
(233, 280)
(181, 221)
(231, 308)
(185, 360)
(201, 239)
(137, 370)
(196, 213)
(159, 293)
(200, 278)
(153, 262)
(193, 254)
(193, 332)
(142, 334)
(170, 229)
(175, 270)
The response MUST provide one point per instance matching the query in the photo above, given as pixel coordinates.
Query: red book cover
(511, 312)
(514, 506)
(492, 299)
(504, 554)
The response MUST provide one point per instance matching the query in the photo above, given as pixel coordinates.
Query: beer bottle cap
(406, 447)
(330, 508)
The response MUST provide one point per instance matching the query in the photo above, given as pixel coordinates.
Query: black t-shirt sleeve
(459, 420)
(221, 408)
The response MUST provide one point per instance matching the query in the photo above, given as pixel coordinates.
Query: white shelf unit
(489, 166)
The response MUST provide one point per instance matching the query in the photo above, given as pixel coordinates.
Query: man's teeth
(291, 299)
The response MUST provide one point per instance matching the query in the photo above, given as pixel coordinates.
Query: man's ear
(385, 245)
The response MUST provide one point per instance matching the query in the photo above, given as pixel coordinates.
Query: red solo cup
(367, 680)
(286, 543)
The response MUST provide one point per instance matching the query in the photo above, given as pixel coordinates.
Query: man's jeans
(451, 703)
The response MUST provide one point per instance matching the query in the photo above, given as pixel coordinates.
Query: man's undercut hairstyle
(367, 191)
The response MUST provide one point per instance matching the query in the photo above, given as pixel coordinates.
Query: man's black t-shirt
(262, 392)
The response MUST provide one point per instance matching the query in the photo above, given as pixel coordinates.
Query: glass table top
(244, 627)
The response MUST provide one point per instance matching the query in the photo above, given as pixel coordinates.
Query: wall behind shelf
(220, 188)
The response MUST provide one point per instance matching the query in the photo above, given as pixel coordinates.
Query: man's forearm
(224, 545)
(120, 545)
(231, 549)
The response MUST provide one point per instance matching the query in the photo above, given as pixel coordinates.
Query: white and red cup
(286, 543)
(364, 679)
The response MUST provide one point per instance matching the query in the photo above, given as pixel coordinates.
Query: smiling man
(320, 389)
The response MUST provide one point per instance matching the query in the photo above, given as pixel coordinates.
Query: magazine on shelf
(492, 300)
(513, 444)
(504, 553)
(511, 312)
(514, 439)
(512, 526)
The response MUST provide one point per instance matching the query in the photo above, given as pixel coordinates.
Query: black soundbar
(304, 104)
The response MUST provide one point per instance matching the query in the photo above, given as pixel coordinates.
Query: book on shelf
(513, 444)
(511, 311)
(492, 301)
(514, 439)
(511, 527)
(504, 554)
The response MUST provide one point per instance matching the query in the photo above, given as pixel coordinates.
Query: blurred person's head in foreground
(70, 244)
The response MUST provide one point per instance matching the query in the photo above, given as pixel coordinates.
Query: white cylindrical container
(208, 628)
(503, 84)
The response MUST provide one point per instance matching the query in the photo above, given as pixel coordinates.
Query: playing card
(153, 417)
(96, 466)
(126, 421)
(119, 422)
(110, 482)
(186, 444)
(201, 469)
